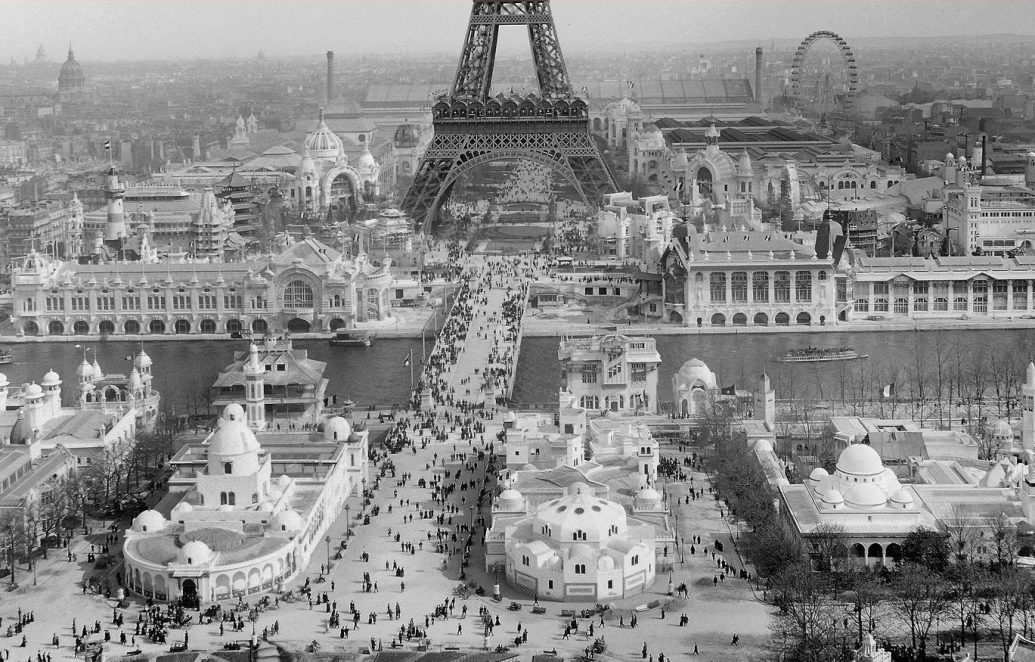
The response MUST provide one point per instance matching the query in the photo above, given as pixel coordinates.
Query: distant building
(611, 372)
(71, 81)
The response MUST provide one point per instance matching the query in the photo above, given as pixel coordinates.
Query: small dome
(581, 551)
(233, 436)
(142, 360)
(287, 520)
(511, 495)
(149, 521)
(194, 553)
(509, 417)
(902, 497)
(763, 446)
(833, 497)
(51, 379)
(818, 474)
(33, 390)
(84, 369)
(97, 372)
(337, 429)
(366, 160)
(605, 563)
(407, 135)
(649, 493)
(324, 143)
(860, 460)
(134, 380)
(865, 495)
(183, 507)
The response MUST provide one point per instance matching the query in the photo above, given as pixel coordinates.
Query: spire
(1031, 374)
(71, 55)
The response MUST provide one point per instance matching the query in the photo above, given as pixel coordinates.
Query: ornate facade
(306, 286)
(241, 520)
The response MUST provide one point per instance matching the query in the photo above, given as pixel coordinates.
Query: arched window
(298, 294)
(231, 499)
(255, 497)
(222, 499)
(228, 467)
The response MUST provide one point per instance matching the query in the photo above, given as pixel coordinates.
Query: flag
(406, 361)
(889, 391)
(107, 145)
(729, 390)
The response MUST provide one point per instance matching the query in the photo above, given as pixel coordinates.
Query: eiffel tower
(471, 128)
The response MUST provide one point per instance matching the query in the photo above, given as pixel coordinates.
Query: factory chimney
(759, 99)
(330, 76)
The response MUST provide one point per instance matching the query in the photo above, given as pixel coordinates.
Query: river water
(184, 370)
(738, 359)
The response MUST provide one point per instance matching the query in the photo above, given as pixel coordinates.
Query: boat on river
(6, 356)
(819, 354)
(343, 338)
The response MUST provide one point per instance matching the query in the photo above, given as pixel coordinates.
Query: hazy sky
(149, 29)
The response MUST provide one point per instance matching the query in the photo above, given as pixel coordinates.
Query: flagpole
(411, 369)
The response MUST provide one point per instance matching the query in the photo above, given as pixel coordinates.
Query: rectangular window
(842, 290)
(739, 287)
(602, 291)
(155, 302)
(1020, 295)
(614, 371)
(782, 287)
(207, 301)
(880, 305)
(999, 294)
(718, 287)
(880, 289)
(232, 301)
(803, 286)
(105, 302)
(181, 302)
(55, 303)
(589, 291)
(80, 303)
(862, 305)
(980, 296)
(130, 302)
(639, 372)
(589, 374)
(610, 583)
(760, 287)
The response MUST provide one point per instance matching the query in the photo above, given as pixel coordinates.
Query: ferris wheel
(848, 60)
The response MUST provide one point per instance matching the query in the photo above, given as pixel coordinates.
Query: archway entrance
(299, 325)
(131, 326)
(259, 326)
(344, 197)
(189, 597)
(337, 323)
(156, 326)
(106, 327)
(704, 182)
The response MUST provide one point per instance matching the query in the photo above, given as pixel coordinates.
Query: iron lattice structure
(472, 128)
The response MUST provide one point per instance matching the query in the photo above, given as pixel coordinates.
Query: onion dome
(194, 553)
(366, 160)
(134, 380)
(288, 521)
(142, 361)
(71, 78)
(337, 429)
(33, 390)
(149, 521)
(97, 372)
(51, 379)
(860, 460)
(324, 143)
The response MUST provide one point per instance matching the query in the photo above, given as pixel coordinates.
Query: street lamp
(328, 541)
(348, 522)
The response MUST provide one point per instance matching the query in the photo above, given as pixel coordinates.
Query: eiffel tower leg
(546, 55)
(426, 188)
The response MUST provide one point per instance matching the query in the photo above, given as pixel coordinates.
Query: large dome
(233, 436)
(865, 494)
(582, 517)
(860, 460)
(71, 78)
(407, 135)
(324, 143)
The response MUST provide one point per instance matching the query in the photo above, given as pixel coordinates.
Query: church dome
(696, 372)
(287, 520)
(865, 495)
(860, 460)
(194, 553)
(71, 78)
(337, 429)
(324, 143)
(407, 135)
(149, 521)
(233, 436)
(51, 379)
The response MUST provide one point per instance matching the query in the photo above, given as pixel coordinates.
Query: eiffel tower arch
(550, 128)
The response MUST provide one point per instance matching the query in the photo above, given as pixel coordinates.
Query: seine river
(184, 370)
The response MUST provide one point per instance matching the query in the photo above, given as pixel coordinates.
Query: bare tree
(1004, 539)
(921, 600)
(808, 615)
(961, 535)
(828, 546)
(1006, 606)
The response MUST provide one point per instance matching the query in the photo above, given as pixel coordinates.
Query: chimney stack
(330, 76)
(759, 99)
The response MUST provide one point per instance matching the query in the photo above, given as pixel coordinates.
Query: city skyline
(351, 28)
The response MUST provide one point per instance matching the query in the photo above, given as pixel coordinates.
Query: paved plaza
(715, 612)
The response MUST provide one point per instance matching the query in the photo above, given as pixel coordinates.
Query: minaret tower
(765, 402)
(255, 409)
(1028, 410)
(116, 191)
